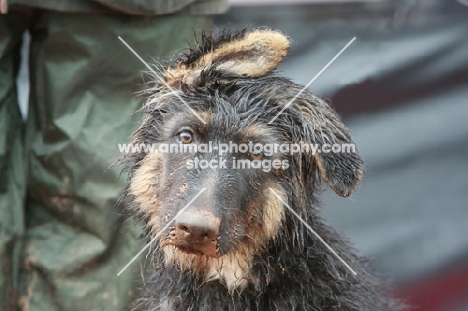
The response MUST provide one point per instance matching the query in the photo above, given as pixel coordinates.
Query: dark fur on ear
(342, 170)
(319, 124)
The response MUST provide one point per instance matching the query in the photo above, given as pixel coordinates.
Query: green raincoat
(62, 235)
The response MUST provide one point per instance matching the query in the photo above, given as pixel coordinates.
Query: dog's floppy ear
(247, 53)
(337, 159)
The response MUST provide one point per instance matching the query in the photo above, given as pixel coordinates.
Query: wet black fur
(295, 271)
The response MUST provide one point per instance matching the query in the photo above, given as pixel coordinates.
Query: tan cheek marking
(143, 187)
(273, 211)
(272, 217)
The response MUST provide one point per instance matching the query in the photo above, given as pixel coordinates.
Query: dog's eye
(256, 155)
(185, 137)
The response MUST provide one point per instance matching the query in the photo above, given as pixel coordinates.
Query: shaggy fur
(265, 259)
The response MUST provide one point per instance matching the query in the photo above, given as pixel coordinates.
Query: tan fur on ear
(255, 54)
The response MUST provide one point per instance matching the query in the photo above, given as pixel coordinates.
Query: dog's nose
(199, 227)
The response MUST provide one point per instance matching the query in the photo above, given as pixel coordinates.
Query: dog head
(228, 202)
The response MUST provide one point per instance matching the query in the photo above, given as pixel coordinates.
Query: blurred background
(402, 88)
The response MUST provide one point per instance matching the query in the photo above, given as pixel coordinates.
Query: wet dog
(220, 210)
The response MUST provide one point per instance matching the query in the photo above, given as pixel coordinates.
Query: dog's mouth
(208, 247)
(233, 267)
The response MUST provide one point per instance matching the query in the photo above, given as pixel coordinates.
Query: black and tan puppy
(237, 246)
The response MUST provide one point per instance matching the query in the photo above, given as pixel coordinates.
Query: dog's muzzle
(196, 233)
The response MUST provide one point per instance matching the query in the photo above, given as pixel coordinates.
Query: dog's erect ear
(249, 53)
(337, 159)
